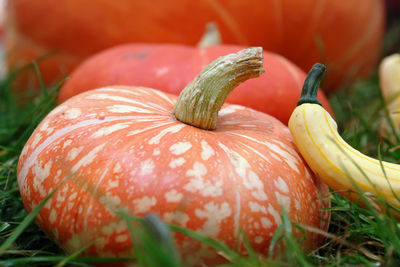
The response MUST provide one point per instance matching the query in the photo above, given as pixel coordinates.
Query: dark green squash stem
(311, 84)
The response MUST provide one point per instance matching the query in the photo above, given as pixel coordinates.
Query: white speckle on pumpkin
(55, 234)
(70, 205)
(118, 99)
(57, 177)
(176, 162)
(297, 204)
(153, 126)
(230, 122)
(48, 204)
(281, 185)
(198, 170)
(147, 167)
(276, 156)
(67, 143)
(214, 214)
(260, 155)
(173, 196)
(275, 214)
(111, 203)
(308, 175)
(72, 113)
(74, 243)
(156, 152)
(249, 125)
(53, 216)
(74, 152)
(229, 109)
(252, 181)
(283, 200)
(113, 184)
(256, 225)
(132, 173)
(40, 175)
(36, 139)
(109, 130)
(114, 227)
(127, 109)
(24, 151)
(255, 207)
(117, 168)
(58, 109)
(176, 217)
(207, 150)
(62, 195)
(144, 204)
(45, 128)
(266, 223)
(197, 183)
(73, 196)
(288, 158)
(99, 96)
(237, 213)
(180, 148)
(241, 165)
(173, 129)
(118, 89)
(258, 239)
(88, 158)
(121, 238)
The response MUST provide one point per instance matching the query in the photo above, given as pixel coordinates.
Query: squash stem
(199, 103)
(311, 84)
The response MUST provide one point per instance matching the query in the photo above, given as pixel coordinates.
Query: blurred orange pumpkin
(170, 68)
(344, 35)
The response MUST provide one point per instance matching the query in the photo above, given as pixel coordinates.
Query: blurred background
(347, 36)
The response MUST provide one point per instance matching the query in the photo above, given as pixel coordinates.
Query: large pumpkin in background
(344, 35)
(171, 67)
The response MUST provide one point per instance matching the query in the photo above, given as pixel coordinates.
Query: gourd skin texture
(125, 150)
(345, 35)
(332, 159)
(336, 163)
(171, 67)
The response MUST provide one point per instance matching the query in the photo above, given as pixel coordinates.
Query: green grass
(358, 235)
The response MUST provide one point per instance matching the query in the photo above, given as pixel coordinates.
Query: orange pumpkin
(135, 149)
(170, 67)
(344, 35)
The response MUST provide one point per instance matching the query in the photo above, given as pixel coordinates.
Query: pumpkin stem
(199, 103)
(311, 84)
(211, 36)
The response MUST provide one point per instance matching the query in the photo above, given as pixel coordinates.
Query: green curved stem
(199, 103)
(311, 84)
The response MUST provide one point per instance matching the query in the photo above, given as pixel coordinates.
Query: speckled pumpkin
(130, 149)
